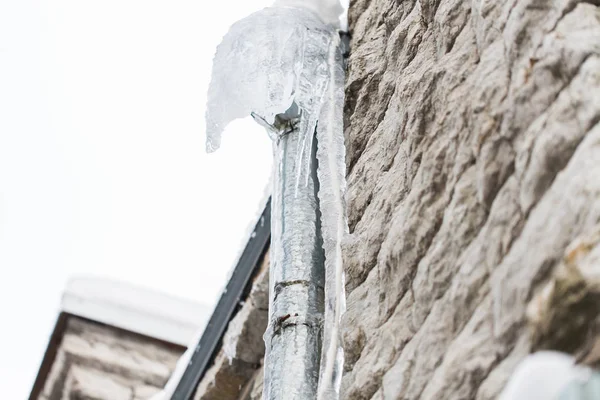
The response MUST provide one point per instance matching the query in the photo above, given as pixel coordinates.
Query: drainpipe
(297, 277)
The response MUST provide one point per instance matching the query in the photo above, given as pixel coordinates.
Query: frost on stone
(283, 66)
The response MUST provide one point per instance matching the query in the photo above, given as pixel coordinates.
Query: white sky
(102, 163)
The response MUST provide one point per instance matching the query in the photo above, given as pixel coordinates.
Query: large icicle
(331, 155)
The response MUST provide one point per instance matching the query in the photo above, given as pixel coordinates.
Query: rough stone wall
(96, 362)
(473, 149)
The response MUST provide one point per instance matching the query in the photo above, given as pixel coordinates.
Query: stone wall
(473, 141)
(98, 362)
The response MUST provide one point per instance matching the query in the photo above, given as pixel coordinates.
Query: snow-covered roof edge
(134, 309)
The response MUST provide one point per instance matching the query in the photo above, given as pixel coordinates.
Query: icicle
(332, 181)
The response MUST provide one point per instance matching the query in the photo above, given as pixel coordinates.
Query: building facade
(114, 341)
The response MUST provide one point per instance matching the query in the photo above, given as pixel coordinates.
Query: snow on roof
(135, 309)
(328, 10)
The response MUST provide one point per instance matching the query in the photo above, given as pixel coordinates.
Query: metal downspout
(297, 278)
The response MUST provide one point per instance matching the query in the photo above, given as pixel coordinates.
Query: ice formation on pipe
(264, 63)
(284, 65)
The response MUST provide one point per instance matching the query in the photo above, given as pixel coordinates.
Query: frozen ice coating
(265, 62)
(283, 65)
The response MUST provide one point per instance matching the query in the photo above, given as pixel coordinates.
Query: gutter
(236, 291)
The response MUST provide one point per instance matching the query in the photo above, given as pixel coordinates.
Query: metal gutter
(236, 290)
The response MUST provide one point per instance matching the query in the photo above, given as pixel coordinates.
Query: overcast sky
(102, 163)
